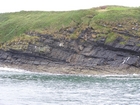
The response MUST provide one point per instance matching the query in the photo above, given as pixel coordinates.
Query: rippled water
(26, 88)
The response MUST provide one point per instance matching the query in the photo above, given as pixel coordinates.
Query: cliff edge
(103, 40)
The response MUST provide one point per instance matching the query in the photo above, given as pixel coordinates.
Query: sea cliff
(98, 44)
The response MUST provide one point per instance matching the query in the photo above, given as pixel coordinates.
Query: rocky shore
(61, 69)
(84, 55)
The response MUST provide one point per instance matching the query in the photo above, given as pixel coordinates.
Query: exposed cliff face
(85, 52)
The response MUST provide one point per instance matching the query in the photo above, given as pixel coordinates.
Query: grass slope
(15, 24)
(102, 19)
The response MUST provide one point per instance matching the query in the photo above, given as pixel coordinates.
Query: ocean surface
(18, 87)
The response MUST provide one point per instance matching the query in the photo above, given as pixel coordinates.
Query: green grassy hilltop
(107, 21)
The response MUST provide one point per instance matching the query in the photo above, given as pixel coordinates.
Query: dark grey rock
(36, 62)
(88, 53)
(132, 60)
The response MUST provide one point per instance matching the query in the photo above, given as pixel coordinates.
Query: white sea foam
(7, 69)
(99, 76)
(11, 69)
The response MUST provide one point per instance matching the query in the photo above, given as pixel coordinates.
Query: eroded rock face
(84, 52)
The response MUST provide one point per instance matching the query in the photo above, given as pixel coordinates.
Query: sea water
(18, 87)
